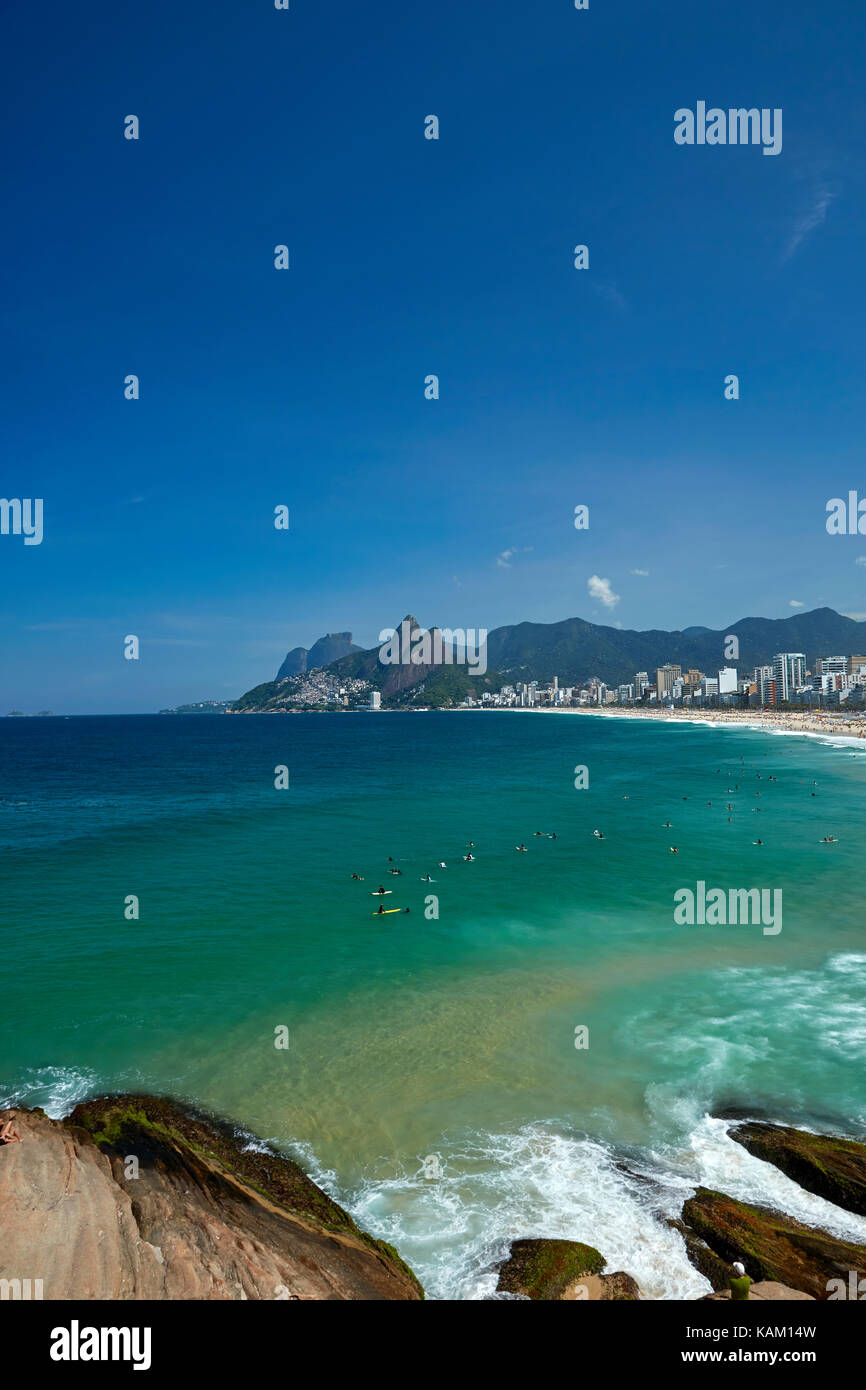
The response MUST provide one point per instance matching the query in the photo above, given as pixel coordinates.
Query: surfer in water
(380, 910)
(521, 849)
(381, 889)
(469, 858)
(598, 835)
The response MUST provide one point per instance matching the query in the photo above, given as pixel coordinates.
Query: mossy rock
(770, 1245)
(829, 1167)
(705, 1260)
(544, 1269)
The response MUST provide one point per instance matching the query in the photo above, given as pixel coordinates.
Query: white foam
(57, 1090)
(539, 1181)
(713, 1159)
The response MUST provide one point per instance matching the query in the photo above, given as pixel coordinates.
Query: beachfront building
(789, 673)
(856, 665)
(665, 678)
(375, 700)
(728, 680)
(831, 666)
(709, 687)
(763, 679)
(641, 685)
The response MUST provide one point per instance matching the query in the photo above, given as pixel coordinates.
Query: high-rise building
(789, 673)
(854, 664)
(641, 684)
(831, 665)
(728, 680)
(763, 677)
(665, 677)
(375, 700)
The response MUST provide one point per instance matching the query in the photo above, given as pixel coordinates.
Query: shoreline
(806, 725)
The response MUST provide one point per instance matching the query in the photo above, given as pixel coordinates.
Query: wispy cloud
(794, 603)
(607, 290)
(643, 573)
(600, 590)
(505, 557)
(858, 617)
(861, 561)
(814, 216)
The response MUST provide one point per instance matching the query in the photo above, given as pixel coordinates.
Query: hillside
(574, 650)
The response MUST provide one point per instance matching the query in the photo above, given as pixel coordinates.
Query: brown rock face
(766, 1292)
(772, 1246)
(135, 1198)
(603, 1288)
(829, 1167)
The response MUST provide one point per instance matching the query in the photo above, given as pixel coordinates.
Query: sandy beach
(807, 722)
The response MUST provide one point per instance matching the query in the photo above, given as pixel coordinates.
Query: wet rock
(770, 1245)
(546, 1269)
(828, 1167)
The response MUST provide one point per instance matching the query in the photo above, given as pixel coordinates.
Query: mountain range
(574, 650)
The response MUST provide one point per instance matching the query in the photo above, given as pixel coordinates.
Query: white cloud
(813, 216)
(858, 617)
(643, 573)
(794, 603)
(861, 561)
(600, 590)
(504, 559)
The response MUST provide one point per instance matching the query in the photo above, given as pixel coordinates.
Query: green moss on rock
(544, 1269)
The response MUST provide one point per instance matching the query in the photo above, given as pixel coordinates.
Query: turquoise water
(414, 1037)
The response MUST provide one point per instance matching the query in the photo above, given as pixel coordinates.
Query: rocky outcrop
(771, 1246)
(828, 1167)
(133, 1197)
(562, 1270)
(767, 1291)
(604, 1288)
(332, 647)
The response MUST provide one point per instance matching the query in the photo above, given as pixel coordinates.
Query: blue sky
(411, 257)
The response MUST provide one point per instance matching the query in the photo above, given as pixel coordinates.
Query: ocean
(432, 1083)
